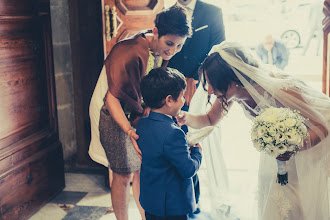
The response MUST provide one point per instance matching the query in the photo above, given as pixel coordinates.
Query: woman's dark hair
(220, 73)
(160, 83)
(173, 20)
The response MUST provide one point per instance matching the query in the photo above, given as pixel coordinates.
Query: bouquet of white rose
(276, 131)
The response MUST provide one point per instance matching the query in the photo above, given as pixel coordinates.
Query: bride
(233, 74)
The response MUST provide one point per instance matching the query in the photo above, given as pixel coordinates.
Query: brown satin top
(125, 66)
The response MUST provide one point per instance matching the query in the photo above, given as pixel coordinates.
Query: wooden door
(31, 161)
(124, 18)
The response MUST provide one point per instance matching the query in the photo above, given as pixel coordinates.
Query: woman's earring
(236, 85)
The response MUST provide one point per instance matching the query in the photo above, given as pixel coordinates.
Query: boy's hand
(196, 145)
(181, 118)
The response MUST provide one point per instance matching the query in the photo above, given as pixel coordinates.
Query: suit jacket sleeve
(217, 29)
(176, 151)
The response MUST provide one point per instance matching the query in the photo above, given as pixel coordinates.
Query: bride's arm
(212, 117)
(317, 132)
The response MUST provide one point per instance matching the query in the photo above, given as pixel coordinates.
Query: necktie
(270, 58)
(174, 119)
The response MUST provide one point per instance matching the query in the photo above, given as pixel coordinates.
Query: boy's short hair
(174, 20)
(160, 83)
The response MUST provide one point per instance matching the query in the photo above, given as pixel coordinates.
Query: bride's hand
(181, 118)
(284, 157)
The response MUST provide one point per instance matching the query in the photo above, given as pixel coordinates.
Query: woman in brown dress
(127, 63)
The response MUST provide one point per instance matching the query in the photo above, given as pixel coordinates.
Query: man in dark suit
(208, 30)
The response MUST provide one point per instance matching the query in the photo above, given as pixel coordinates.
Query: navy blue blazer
(208, 30)
(166, 187)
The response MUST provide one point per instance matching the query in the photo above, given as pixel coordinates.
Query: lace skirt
(117, 145)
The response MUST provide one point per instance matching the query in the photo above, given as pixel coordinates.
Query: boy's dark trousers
(195, 178)
(154, 217)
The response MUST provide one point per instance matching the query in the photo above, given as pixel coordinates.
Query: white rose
(271, 150)
(272, 131)
(280, 126)
(290, 122)
(289, 136)
(261, 131)
(295, 139)
(268, 140)
(281, 116)
(280, 137)
(270, 118)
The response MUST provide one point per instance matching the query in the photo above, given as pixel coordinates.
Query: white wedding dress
(261, 197)
(305, 197)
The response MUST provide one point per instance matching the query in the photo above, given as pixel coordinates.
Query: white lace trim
(276, 198)
(284, 205)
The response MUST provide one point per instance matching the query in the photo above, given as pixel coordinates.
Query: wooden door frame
(87, 62)
(326, 51)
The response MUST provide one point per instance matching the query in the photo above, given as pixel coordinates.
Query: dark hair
(160, 83)
(220, 73)
(173, 20)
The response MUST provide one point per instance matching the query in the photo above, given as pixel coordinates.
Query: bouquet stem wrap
(282, 173)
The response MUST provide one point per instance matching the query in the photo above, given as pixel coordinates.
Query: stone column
(63, 78)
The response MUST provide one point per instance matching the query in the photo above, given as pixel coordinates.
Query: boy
(166, 188)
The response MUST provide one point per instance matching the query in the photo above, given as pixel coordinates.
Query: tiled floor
(86, 198)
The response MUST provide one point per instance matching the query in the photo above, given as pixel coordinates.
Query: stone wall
(63, 78)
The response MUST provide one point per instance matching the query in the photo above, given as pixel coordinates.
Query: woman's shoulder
(136, 45)
(138, 40)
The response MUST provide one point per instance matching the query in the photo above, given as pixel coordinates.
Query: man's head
(164, 88)
(268, 42)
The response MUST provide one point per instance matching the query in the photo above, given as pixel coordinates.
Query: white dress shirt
(190, 7)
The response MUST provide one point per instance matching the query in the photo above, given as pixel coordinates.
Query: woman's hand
(133, 136)
(190, 90)
(146, 111)
(284, 157)
(181, 118)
